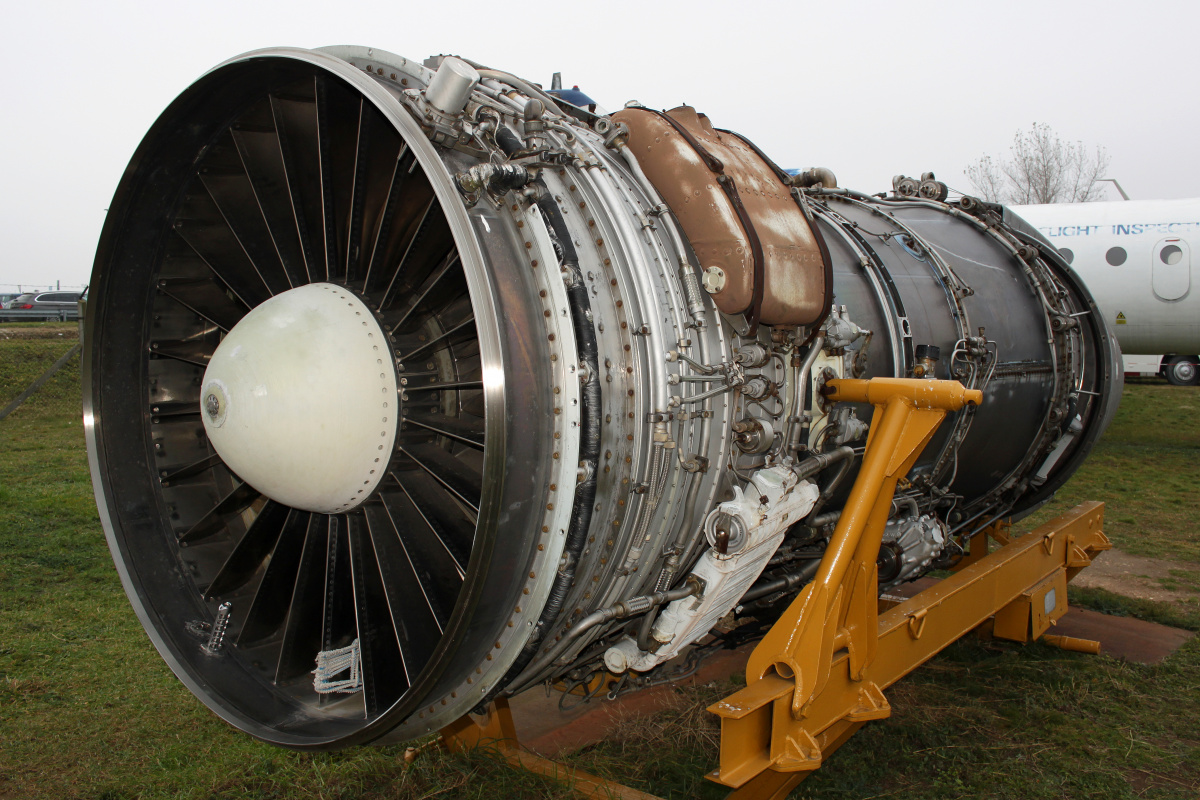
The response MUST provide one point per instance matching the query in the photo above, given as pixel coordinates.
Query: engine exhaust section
(411, 385)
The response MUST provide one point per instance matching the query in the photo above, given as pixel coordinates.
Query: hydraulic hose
(789, 581)
(830, 488)
(590, 406)
(628, 608)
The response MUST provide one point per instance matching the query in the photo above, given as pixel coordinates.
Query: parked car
(45, 305)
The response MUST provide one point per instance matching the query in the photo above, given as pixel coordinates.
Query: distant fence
(38, 314)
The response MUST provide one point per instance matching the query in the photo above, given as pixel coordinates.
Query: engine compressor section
(410, 385)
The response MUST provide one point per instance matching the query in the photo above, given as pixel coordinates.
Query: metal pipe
(827, 492)
(789, 581)
(657, 482)
(696, 398)
(821, 520)
(814, 464)
(800, 392)
(517, 83)
(628, 608)
(817, 176)
(682, 544)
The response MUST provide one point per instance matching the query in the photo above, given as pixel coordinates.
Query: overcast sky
(866, 89)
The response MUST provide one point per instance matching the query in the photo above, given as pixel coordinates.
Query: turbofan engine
(412, 384)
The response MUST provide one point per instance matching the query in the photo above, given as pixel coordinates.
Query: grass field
(1145, 469)
(89, 711)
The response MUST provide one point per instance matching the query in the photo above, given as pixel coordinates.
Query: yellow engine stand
(819, 673)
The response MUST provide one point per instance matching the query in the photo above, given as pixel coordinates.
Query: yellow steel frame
(819, 673)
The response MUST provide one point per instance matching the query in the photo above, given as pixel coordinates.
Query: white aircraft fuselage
(1136, 257)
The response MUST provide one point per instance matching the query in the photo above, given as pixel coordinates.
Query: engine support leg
(838, 609)
(496, 732)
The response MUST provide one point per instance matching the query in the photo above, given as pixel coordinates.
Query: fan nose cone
(300, 399)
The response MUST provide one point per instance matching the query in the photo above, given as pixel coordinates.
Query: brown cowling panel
(794, 273)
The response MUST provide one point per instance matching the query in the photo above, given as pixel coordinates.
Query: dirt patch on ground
(60, 331)
(1133, 576)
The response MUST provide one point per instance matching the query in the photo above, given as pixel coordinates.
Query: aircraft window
(1067, 253)
(1170, 255)
(1116, 256)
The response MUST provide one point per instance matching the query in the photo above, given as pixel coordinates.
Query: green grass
(88, 710)
(22, 361)
(983, 719)
(1144, 469)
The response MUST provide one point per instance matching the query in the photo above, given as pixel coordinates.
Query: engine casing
(566, 409)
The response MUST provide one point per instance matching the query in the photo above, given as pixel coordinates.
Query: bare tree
(1041, 168)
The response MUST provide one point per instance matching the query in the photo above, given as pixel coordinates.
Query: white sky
(866, 89)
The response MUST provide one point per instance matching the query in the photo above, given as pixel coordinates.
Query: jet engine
(412, 384)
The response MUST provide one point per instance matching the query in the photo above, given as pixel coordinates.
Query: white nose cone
(300, 399)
